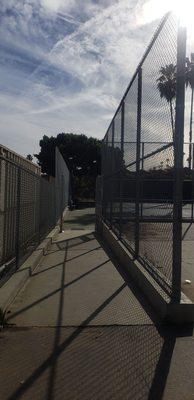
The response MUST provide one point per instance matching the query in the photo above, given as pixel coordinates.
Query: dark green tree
(81, 154)
(29, 157)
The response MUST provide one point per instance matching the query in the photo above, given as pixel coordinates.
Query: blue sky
(65, 64)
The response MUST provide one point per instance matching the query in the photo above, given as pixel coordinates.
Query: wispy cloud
(65, 65)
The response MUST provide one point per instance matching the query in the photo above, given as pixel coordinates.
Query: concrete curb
(176, 313)
(9, 291)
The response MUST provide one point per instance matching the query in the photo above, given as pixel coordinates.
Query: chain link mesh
(138, 174)
(30, 205)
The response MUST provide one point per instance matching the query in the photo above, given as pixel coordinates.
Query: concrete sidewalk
(80, 330)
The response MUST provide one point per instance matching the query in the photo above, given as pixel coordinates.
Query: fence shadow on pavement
(118, 362)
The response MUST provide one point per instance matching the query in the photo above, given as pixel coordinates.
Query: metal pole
(121, 172)
(190, 130)
(192, 182)
(39, 215)
(178, 165)
(138, 149)
(70, 199)
(17, 231)
(112, 168)
(62, 189)
(104, 190)
(142, 168)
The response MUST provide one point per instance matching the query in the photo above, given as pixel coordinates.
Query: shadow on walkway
(96, 362)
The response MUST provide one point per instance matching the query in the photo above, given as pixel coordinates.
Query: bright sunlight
(154, 9)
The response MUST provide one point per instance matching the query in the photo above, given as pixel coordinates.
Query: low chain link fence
(142, 160)
(30, 205)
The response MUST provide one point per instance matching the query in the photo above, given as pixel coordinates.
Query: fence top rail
(155, 36)
(10, 155)
(19, 166)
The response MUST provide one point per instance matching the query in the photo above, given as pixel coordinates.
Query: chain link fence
(142, 159)
(30, 205)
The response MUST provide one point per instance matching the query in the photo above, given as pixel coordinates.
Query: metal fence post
(192, 182)
(138, 149)
(190, 131)
(142, 172)
(121, 172)
(17, 231)
(104, 165)
(178, 165)
(112, 169)
(39, 206)
(61, 217)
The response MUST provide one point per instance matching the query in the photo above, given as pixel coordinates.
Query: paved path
(80, 330)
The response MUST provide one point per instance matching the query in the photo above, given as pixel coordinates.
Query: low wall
(172, 312)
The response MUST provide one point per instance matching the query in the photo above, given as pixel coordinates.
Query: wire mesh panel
(9, 179)
(30, 205)
(62, 183)
(157, 127)
(28, 208)
(156, 208)
(188, 182)
(142, 154)
(47, 212)
(117, 160)
(128, 183)
(98, 201)
(107, 183)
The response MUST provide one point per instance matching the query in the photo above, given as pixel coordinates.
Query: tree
(166, 85)
(29, 157)
(190, 82)
(81, 154)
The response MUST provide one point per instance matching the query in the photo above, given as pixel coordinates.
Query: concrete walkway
(80, 330)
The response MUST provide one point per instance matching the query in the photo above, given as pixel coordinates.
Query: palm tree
(166, 85)
(190, 82)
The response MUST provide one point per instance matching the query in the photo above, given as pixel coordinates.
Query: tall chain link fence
(30, 205)
(142, 159)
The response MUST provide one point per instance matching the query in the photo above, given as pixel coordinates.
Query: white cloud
(100, 44)
(56, 5)
(79, 83)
